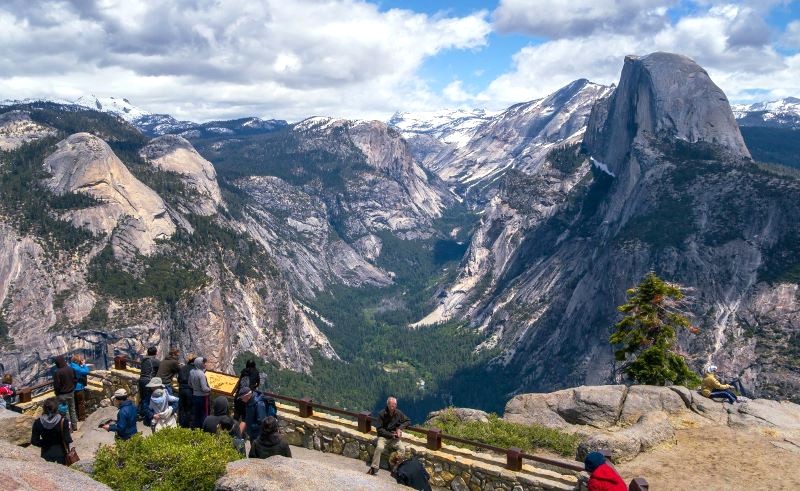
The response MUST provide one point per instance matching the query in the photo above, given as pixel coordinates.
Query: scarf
(50, 421)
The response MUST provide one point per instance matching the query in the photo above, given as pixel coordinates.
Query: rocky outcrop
(295, 475)
(173, 153)
(24, 469)
(17, 128)
(85, 164)
(463, 415)
(15, 428)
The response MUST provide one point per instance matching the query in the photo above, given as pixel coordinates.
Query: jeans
(70, 400)
(723, 393)
(393, 444)
(199, 410)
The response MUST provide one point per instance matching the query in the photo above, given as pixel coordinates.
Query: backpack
(272, 408)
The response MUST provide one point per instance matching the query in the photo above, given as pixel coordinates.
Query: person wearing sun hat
(125, 426)
(602, 477)
(161, 412)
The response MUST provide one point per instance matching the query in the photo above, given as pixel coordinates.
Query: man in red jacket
(602, 477)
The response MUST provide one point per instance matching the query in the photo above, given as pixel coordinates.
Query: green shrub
(504, 434)
(172, 459)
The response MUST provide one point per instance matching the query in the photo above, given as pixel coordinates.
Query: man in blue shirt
(125, 427)
(255, 412)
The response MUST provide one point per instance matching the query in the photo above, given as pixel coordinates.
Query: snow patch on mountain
(783, 113)
(454, 127)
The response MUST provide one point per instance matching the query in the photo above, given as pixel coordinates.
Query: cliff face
(665, 185)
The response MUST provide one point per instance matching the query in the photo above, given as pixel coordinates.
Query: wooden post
(306, 407)
(25, 395)
(639, 484)
(364, 422)
(120, 362)
(434, 439)
(514, 459)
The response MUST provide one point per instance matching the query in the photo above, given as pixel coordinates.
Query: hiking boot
(372, 471)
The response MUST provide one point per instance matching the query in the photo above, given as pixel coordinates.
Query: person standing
(249, 377)
(125, 426)
(391, 423)
(185, 393)
(64, 381)
(255, 413)
(200, 392)
(169, 367)
(50, 433)
(147, 371)
(82, 373)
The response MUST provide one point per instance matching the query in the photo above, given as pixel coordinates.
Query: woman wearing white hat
(713, 388)
(163, 415)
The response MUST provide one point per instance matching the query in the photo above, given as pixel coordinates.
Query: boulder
(714, 411)
(782, 415)
(15, 452)
(15, 428)
(281, 473)
(463, 415)
(644, 399)
(650, 430)
(22, 468)
(596, 406)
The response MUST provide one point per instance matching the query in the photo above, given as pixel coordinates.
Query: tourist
(229, 426)
(219, 410)
(125, 426)
(64, 381)
(82, 373)
(269, 441)
(391, 423)
(249, 377)
(7, 391)
(63, 410)
(409, 471)
(200, 392)
(255, 412)
(713, 389)
(185, 393)
(162, 412)
(50, 433)
(602, 477)
(147, 371)
(169, 367)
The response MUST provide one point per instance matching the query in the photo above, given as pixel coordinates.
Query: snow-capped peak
(779, 113)
(119, 106)
(454, 127)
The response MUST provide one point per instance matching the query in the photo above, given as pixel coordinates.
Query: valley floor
(719, 458)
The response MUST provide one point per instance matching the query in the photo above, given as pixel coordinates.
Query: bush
(172, 459)
(505, 434)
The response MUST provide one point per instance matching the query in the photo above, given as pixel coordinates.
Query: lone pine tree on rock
(647, 333)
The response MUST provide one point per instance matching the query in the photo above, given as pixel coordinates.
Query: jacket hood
(220, 407)
(198, 362)
(607, 474)
(158, 401)
(60, 362)
(50, 421)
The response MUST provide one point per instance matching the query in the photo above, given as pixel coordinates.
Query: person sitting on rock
(714, 389)
(409, 471)
(51, 433)
(391, 423)
(269, 441)
(602, 477)
(125, 427)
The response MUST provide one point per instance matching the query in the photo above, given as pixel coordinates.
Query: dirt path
(719, 458)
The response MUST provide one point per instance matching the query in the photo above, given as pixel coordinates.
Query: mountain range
(457, 247)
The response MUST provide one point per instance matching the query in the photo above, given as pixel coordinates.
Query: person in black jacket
(250, 377)
(409, 471)
(64, 381)
(50, 433)
(218, 410)
(269, 442)
(148, 370)
(185, 393)
(391, 423)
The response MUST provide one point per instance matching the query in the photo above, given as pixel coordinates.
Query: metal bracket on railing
(514, 459)
(120, 362)
(306, 407)
(364, 422)
(639, 484)
(434, 439)
(25, 395)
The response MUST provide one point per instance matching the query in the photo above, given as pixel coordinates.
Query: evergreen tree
(646, 334)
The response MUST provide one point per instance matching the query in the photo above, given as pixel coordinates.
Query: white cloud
(740, 68)
(454, 91)
(212, 59)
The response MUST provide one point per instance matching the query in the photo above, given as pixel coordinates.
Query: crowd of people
(254, 418)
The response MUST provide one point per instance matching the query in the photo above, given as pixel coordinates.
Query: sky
(222, 59)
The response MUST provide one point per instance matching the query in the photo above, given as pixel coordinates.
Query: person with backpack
(82, 372)
(269, 441)
(200, 392)
(51, 433)
(249, 377)
(147, 371)
(64, 381)
(185, 393)
(257, 408)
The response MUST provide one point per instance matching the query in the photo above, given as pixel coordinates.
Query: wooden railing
(434, 436)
